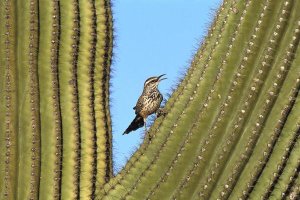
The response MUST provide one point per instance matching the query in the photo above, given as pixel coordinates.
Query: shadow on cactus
(232, 125)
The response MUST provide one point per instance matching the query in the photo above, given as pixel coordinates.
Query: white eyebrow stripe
(149, 80)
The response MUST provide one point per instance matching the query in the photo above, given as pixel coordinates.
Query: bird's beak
(159, 78)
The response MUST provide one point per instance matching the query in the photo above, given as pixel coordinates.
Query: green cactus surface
(230, 122)
(232, 126)
(55, 126)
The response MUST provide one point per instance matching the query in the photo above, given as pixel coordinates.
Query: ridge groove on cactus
(8, 105)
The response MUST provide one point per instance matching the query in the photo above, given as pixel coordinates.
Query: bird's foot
(161, 112)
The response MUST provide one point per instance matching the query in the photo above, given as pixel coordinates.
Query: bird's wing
(139, 105)
(161, 98)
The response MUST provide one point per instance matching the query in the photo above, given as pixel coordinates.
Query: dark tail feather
(138, 122)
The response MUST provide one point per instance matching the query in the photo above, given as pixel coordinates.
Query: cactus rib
(8, 108)
(50, 113)
(68, 57)
(85, 72)
(101, 91)
(28, 101)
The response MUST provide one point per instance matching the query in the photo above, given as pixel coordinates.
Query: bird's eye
(150, 82)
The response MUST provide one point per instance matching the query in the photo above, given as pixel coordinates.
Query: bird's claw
(161, 112)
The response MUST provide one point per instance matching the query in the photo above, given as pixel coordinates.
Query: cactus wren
(147, 104)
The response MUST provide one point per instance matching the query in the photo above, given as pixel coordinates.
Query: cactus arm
(51, 136)
(101, 91)
(67, 66)
(28, 100)
(8, 100)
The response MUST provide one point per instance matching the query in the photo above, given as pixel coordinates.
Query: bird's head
(153, 82)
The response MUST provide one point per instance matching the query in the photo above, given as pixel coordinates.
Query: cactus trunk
(55, 137)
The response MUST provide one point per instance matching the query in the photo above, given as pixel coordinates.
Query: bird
(148, 103)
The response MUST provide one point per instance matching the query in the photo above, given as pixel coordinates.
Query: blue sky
(152, 37)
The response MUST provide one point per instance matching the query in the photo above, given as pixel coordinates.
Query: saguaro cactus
(54, 110)
(232, 125)
(231, 129)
